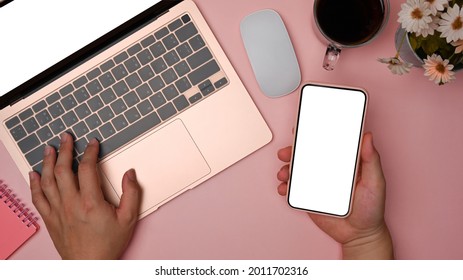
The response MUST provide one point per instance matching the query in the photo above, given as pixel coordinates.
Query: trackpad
(167, 162)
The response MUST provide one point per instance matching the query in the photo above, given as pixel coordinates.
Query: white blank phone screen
(327, 143)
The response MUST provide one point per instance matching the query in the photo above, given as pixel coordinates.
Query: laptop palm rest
(167, 162)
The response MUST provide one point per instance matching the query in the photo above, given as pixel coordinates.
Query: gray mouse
(271, 53)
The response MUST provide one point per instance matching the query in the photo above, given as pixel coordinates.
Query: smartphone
(326, 149)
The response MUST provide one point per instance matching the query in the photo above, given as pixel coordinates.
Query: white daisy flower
(451, 24)
(458, 46)
(415, 15)
(396, 66)
(433, 25)
(437, 5)
(438, 70)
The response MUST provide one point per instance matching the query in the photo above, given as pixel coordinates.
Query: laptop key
(80, 82)
(118, 106)
(186, 18)
(55, 143)
(161, 33)
(120, 72)
(28, 143)
(144, 91)
(81, 95)
(144, 57)
(186, 32)
(26, 114)
(167, 111)
(169, 76)
(95, 103)
(31, 125)
(120, 122)
(106, 114)
(182, 68)
(80, 145)
(132, 115)
(181, 103)
(183, 84)
(18, 132)
(106, 79)
(44, 133)
(107, 130)
(35, 156)
(94, 74)
(156, 84)
(53, 98)
(57, 126)
(134, 49)
(66, 90)
(121, 88)
(184, 50)
(70, 118)
(195, 98)
(175, 25)
(94, 87)
(80, 129)
(146, 73)
(93, 121)
(121, 57)
(158, 49)
(204, 72)
(148, 41)
(199, 58)
(12, 122)
(83, 111)
(94, 135)
(197, 42)
(158, 100)
(129, 133)
(171, 58)
(133, 81)
(107, 65)
(39, 106)
(69, 102)
(170, 42)
(145, 107)
(108, 96)
(170, 92)
(159, 65)
(132, 64)
(43, 117)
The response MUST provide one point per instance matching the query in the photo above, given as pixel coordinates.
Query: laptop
(157, 91)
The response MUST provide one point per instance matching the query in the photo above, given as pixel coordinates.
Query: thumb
(372, 172)
(129, 205)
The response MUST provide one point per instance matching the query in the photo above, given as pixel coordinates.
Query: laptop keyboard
(138, 89)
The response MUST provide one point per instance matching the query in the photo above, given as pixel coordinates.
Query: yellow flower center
(417, 14)
(440, 68)
(457, 24)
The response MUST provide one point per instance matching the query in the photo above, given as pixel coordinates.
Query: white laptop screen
(35, 35)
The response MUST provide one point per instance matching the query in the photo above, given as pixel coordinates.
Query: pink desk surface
(239, 215)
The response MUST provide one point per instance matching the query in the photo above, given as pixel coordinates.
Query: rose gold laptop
(158, 93)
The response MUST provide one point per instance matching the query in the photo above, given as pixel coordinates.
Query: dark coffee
(349, 22)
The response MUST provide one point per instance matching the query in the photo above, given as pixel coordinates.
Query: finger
(48, 181)
(89, 180)
(283, 189)
(129, 206)
(283, 174)
(372, 174)
(63, 169)
(285, 154)
(38, 197)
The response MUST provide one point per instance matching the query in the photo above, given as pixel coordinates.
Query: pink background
(239, 215)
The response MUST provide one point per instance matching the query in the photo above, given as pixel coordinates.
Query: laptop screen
(35, 35)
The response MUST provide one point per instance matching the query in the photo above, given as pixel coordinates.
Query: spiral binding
(18, 208)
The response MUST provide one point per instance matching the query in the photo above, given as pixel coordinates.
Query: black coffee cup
(348, 24)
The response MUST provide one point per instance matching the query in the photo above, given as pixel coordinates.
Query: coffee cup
(348, 24)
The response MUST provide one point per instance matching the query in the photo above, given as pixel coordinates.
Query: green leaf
(414, 41)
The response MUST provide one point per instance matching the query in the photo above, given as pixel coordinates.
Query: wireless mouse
(271, 53)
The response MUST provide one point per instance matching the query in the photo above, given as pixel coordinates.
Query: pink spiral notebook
(17, 224)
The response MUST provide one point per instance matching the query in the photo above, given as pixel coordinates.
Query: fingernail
(132, 175)
(47, 150)
(93, 141)
(31, 175)
(64, 137)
